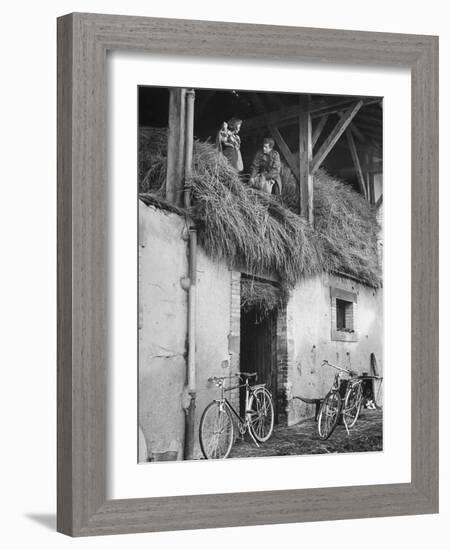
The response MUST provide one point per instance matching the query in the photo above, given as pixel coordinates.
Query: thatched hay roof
(245, 226)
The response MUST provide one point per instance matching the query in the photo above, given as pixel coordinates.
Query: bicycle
(343, 400)
(217, 424)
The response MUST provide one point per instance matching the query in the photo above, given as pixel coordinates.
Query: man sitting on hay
(265, 169)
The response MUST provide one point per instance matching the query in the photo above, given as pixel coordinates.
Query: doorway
(258, 350)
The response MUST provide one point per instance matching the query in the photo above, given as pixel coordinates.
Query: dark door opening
(258, 351)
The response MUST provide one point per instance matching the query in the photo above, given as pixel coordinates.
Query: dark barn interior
(258, 351)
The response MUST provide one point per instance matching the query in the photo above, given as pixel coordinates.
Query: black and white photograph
(260, 274)
(221, 281)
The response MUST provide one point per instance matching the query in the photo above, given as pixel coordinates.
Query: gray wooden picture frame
(83, 41)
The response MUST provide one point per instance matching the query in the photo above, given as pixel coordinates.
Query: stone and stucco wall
(217, 331)
(163, 314)
(310, 337)
(162, 331)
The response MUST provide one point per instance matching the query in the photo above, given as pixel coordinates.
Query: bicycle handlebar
(235, 375)
(217, 378)
(352, 373)
(349, 372)
(248, 374)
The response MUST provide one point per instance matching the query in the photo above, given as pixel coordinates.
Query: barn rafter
(288, 114)
(306, 130)
(344, 121)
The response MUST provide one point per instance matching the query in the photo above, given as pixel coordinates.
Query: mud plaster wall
(214, 332)
(162, 331)
(308, 319)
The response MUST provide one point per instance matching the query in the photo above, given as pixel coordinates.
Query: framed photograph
(247, 274)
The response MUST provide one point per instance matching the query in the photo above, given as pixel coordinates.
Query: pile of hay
(152, 157)
(247, 227)
(347, 228)
(263, 297)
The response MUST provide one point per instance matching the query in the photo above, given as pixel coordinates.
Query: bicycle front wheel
(352, 404)
(260, 414)
(216, 431)
(329, 414)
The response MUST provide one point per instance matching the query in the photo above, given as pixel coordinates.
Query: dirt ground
(302, 438)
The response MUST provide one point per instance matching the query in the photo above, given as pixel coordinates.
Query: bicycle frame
(353, 381)
(249, 391)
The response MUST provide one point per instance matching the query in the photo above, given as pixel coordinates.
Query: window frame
(346, 334)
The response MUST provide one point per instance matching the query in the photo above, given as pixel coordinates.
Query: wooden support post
(356, 163)
(175, 146)
(335, 134)
(189, 145)
(305, 159)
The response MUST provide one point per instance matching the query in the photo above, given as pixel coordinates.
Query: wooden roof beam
(285, 151)
(334, 136)
(356, 162)
(319, 128)
(289, 115)
(261, 121)
(337, 107)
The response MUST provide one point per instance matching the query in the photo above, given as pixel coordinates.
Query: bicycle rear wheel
(352, 404)
(216, 432)
(329, 414)
(260, 414)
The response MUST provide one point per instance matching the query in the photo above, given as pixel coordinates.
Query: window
(344, 315)
(343, 308)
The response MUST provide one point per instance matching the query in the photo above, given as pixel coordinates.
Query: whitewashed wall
(163, 313)
(162, 330)
(309, 327)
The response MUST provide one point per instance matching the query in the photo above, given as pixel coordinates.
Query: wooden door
(258, 350)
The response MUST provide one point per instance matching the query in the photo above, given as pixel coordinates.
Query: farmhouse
(232, 278)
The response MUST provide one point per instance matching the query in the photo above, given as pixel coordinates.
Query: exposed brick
(235, 331)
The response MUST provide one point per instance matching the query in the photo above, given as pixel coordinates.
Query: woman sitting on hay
(266, 168)
(229, 142)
